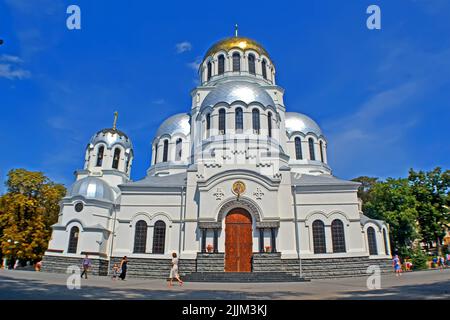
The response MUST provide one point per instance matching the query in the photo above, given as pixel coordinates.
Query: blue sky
(382, 97)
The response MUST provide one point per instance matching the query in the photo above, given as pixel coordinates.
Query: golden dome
(236, 42)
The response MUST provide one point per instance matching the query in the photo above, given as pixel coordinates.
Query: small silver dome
(233, 91)
(298, 122)
(112, 137)
(92, 188)
(179, 123)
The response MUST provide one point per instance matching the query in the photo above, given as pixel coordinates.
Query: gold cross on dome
(116, 115)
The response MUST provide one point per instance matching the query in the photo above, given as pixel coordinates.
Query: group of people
(120, 270)
(440, 262)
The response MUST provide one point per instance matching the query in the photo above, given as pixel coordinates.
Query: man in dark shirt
(86, 266)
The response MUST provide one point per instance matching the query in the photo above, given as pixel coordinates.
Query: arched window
(298, 148)
(256, 123)
(222, 129)
(73, 240)
(312, 154)
(127, 166)
(221, 64)
(116, 159)
(140, 237)
(338, 236)
(208, 124)
(239, 120)
(371, 238)
(101, 151)
(209, 67)
(178, 149)
(269, 124)
(159, 237)
(321, 151)
(251, 64)
(165, 150)
(318, 229)
(264, 68)
(386, 245)
(236, 62)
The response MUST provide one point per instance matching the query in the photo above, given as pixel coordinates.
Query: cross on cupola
(116, 115)
(236, 28)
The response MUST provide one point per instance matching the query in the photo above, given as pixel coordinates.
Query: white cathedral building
(236, 184)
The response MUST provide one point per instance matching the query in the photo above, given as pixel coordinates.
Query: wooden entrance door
(238, 241)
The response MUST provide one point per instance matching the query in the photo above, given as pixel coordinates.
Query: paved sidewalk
(15, 284)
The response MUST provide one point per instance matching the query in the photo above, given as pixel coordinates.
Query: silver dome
(112, 137)
(92, 188)
(298, 122)
(179, 123)
(232, 91)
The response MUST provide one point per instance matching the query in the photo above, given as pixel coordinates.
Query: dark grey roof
(318, 180)
(167, 181)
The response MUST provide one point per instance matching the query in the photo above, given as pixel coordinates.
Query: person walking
(123, 267)
(441, 263)
(86, 264)
(174, 271)
(115, 271)
(397, 265)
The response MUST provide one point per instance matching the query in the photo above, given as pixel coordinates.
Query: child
(115, 271)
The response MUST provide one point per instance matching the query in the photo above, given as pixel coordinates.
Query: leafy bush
(419, 259)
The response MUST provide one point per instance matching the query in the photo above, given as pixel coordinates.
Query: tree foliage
(27, 210)
(393, 201)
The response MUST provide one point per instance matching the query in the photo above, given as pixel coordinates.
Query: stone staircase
(242, 277)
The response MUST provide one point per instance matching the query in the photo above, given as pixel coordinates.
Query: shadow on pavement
(25, 289)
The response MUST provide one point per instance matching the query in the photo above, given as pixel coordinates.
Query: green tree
(431, 190)
(364, 190)
(394, 202)
(27, 210)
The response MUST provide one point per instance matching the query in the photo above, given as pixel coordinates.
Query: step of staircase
(237, 277)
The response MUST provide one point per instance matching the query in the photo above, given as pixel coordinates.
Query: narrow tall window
(221, 64)
(140, 237)
(386, 245)
(222, 114)
(156, 153)
(338, 236)
(159, 237)
(251, 64)
(116, 159)
(264, 69)
(73, 240)
(321, 151)
(269, 124)
(209, 67)
(101, 151)
(236, 62)
(165, 150)
(372, 240)
(208, 124)
(312, 154)
(319, 243)
(239, 120)
(256, 122)
(298, 149)
(178, 149)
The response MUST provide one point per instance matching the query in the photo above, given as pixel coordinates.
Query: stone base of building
(323, 268)
(318, 268)
(60, 264)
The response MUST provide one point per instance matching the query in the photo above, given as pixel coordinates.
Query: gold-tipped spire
(236, 28)
(116, 115)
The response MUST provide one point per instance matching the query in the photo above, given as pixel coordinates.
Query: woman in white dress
(174, 270)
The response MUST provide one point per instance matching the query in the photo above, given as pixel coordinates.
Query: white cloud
(9, 58)
(195, 64)
(183, 46)
(9, 72)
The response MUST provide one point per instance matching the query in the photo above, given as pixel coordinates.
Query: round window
(79, 207)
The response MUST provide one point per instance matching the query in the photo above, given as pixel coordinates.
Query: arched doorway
(238, 241)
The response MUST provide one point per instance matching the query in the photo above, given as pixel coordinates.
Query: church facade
(236, 184)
